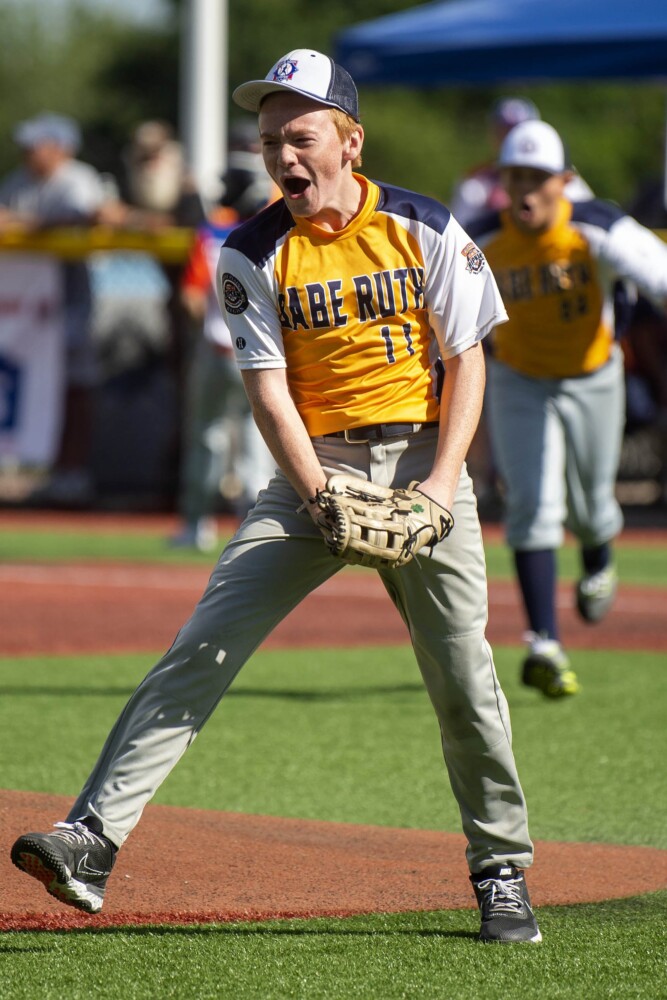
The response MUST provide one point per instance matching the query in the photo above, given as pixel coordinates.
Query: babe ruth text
(569, 280)
(319, 305)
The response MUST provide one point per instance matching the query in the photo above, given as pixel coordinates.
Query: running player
(556, 381)
(339, 299)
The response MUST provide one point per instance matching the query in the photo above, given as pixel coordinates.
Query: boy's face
(534, 196)
(304, 153)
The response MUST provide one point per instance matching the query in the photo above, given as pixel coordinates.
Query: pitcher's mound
(185, 866)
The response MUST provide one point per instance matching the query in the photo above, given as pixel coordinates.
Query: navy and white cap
(303, 71)
(534, 144)
(48, 127)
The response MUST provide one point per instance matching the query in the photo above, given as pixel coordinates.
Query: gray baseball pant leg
(529, 446)
(592, 410)
(442, 597)
(274, 560)
(564, 471)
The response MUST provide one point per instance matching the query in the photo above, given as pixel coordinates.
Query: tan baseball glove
(378, 526)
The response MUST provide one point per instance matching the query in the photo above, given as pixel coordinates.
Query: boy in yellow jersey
(339, 299)
(556, 381)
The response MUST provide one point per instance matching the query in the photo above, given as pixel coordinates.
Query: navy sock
(595, 557)
(536, 571)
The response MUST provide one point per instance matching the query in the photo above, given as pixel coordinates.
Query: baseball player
(556, 381)
(481, 190)
(339, 299)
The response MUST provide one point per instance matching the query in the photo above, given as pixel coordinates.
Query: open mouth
(524, 209)
(296, 186)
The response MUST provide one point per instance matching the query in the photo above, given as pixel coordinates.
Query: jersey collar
(370, 202)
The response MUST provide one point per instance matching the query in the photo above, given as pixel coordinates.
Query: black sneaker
(73, 863)
(502, 896)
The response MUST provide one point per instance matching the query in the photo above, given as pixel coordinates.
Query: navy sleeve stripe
(409, 205)
(597, 213)
(256, 239)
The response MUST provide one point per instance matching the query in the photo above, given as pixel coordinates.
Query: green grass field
(641, 564)
(348, 735)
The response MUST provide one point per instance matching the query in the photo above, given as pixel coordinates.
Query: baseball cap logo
(527, 146)
(285, 70)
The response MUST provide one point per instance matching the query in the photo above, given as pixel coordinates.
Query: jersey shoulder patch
(410, 205)
(256, 239)
(596, 212)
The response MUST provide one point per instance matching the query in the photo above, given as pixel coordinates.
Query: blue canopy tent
(492, 41)
(485, 41)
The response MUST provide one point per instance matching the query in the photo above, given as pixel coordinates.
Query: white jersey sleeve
(248, 302)
(461, 292)
(637, 254)
(624, 249)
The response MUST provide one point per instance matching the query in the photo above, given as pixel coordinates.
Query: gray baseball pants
(557, 443)
(275, 559)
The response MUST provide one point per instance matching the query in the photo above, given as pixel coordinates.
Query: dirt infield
(229, 866)
(233, 867)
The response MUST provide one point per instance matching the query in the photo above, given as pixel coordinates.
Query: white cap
(534, 144)
(303, 71)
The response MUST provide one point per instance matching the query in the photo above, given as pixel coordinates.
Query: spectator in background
(52, 188)
(224, 455)
(156, 188)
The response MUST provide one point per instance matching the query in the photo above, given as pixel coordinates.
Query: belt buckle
(350, 440)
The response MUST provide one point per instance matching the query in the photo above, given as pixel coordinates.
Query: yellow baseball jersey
(359, 316)
(558, 286)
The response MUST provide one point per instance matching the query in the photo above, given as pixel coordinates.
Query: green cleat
(548, 669)
(595, 594)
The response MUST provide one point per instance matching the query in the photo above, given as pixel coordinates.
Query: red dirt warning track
(93, 607)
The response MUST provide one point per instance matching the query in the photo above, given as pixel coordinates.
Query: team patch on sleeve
(235, 295)
(475, 258)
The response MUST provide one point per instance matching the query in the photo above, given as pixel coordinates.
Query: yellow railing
(170, 245)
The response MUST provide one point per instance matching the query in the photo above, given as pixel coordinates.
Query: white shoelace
(599, 584)
(77, 833)
(505, 895)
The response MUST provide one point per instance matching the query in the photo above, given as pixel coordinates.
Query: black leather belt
(378, 432)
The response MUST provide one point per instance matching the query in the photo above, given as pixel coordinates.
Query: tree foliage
(110, 74)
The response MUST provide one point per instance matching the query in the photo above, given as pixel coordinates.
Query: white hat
(534, 144)
(306, 72)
